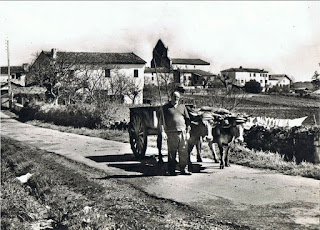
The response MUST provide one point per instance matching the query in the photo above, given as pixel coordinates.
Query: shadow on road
(148, 166)
(113, 158)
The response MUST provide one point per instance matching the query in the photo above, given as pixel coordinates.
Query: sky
(280, 37)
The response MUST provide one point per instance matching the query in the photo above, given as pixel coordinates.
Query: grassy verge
(107, 134)
(273, 161)
(62, 194)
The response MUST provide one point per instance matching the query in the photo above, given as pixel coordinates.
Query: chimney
(240, 67)
(25, 67)
(54, 53)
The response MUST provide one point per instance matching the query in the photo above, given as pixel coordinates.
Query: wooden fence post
(317, 148)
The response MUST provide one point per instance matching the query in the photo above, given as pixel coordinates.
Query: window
(266, 81)
(71, 73)
(261, 81)
(152, 78)
(18, 75)
(184, 78)
(189, 77)
(254, 74)
(135, 73)
(107, 73)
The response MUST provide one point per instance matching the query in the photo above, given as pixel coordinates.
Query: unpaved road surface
(253, 198)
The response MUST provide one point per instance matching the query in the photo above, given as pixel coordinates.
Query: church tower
(160, 56)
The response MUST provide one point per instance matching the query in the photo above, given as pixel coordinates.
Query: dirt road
(258, 199)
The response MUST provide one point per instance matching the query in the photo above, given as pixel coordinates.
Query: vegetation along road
(236, 197)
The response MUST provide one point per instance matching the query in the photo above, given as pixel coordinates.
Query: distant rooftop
(13, 69)
(278, 76)
(97, 58)
(157, 70)
(241, 69)
(189, 61)
(197, 72)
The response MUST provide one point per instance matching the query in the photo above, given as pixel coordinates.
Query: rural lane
(253, 198)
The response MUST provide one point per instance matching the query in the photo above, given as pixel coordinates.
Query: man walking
(175, 129)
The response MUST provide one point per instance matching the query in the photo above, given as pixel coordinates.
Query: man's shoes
(172, 173)
(185, 172)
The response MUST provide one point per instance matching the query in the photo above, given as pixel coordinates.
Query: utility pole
(9, 78)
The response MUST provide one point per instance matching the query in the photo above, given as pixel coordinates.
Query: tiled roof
(13, 69)
(278, 76)
(18, 89)
(303, 85)
(30, 90)
(250, 70)
(97, 58)
(13, 85)
(159, 70)
(197, 72)
(189, 61)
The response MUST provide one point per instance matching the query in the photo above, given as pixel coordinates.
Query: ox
(221, 128)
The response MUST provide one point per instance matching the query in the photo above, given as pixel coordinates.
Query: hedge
(298, 143)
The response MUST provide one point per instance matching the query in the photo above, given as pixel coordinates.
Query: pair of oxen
(214, 126)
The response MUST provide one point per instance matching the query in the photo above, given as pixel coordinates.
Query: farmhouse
(182, 71)
(239, 76)
(303, 87)
(17, 79)
(96, 71)
(280, 80)
(17, 73)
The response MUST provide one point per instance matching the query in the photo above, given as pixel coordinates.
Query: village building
(240, 76)
(100, 70)
(280, 80)
(188, 72)
(17, 73)
(17, 80)
(303, 88)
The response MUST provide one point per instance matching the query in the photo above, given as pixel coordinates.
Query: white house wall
(98, 80)
(242, 78)
(284, 81)
(21, 81)
(280, 82)
(151, 78)
(184, 66)
(186, 79)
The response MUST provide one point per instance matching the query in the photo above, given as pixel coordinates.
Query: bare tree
(316, 79)
(57, 75)
(227, 94)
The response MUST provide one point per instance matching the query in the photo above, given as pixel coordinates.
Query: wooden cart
(144, 121)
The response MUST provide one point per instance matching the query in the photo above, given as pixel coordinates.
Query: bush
(76, 115)
(253, 87)
(294, 144)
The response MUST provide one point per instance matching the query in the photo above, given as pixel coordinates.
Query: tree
(316, 79)
(253, 87)
(225, 93)
(132, 90)
(57, 75)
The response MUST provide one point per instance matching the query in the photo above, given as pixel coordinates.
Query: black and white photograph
(119, 115)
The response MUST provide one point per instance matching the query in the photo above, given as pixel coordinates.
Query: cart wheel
(138, 137)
